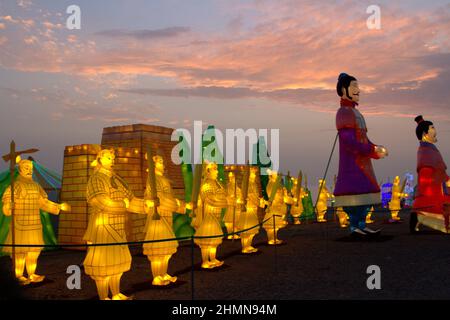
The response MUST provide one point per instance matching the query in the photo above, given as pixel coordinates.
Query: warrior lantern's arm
(47, 205)
(349, 142)
(6, 199)
(215, 199)
(103, 202)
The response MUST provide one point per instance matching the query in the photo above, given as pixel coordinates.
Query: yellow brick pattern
(76, 171)
(129, 143)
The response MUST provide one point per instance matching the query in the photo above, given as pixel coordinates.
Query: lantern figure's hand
(65, 207)
(381, 151)
(189, 205)
(127, 203)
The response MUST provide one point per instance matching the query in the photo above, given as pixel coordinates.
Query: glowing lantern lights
(110, 199)
(29, 198)
(161, 205)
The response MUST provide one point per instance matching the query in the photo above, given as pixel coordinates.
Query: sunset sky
(234, 64)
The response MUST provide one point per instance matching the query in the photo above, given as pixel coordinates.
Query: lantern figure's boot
(272, 236)
(356, 225)
(157, 266)
(247, 244)
(394, 215)
(358, 216)
(206, 264)
(165, 267)
(343, 218)
(213, 259)
(102, 287)
(229, 226)
(321, 215)
(114, 286)
(447, 216)
(20, 266)
(31, 264)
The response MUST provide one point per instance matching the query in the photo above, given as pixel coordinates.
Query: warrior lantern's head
(105, 158)
(347, 87)
(26, 169)
(159, 163)
(211, 170)
(425, 130)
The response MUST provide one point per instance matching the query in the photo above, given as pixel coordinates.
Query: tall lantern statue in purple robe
(356, 188)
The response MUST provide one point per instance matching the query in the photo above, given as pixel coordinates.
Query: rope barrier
(132, 242)
(169, 239)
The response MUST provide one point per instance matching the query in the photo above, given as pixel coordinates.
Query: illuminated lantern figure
(342, 217)
(213, 198)
(297, 205)
(159, 253)
(29, 199)
(232, 213)
(432, 201)
(110, 198)
(369, 217)
(249, 218)
(322, 206)
(397, 196)
(356, 188)
(276, 209)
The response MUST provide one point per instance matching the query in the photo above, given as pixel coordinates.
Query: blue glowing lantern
(386, 193)
(409, 189)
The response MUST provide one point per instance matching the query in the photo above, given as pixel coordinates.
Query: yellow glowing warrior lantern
(322, 206)
(397, 196)
(233, 212)
(213, 198)
(249, 218)
(110, 199)
(159, 221)
(369, 216)
(297, 204)
(29, 199)
(342, 217)
(276, 210)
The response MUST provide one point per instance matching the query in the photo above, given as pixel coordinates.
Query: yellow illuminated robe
(278, 207)
(322, 206)
(297, 210)
(163, 228)
(107, 224)
(228, 218)
(249, 218)
(213, 198)
(29, 197)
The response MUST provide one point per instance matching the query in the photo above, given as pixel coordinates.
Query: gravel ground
(318, 261)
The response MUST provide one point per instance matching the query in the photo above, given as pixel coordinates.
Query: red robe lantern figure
(432, 201)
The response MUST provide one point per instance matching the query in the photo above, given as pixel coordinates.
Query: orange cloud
(288, 51)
